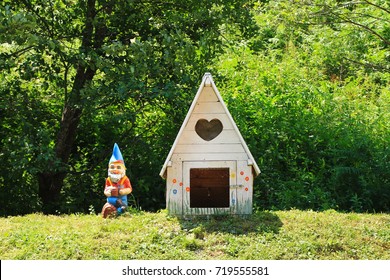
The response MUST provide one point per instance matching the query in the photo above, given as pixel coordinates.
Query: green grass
(141, 235)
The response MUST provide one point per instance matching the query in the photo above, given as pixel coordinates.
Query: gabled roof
(208, 81)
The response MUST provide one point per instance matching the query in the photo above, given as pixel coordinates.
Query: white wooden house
(209, 169)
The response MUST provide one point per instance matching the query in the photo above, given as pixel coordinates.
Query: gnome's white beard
(115, 177)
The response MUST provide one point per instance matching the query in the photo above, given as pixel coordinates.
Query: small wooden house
(209, 169)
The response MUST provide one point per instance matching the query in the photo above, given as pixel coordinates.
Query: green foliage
(275, 235)
(317, 147)
(319, 135)
(81, 75)
(307, 82)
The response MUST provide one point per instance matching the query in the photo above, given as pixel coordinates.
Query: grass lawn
(286, 235)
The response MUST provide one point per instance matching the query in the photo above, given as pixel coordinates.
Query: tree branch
(327, 10)
(30, 8)
(369, 65)
(345, 19)
(20, 52)
(377, 6)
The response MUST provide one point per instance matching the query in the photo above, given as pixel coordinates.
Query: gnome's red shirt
(121, 184)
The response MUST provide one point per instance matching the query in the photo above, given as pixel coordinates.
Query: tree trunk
(51, 182)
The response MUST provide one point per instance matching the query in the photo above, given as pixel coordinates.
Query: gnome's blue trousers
(120, 202)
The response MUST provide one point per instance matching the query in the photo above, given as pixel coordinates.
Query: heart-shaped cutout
(208, 130)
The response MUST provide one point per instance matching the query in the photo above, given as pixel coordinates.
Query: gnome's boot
(121, 208)
(109, 211)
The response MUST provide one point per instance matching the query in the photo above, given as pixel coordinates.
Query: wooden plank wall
(226, 147)
(174, 191)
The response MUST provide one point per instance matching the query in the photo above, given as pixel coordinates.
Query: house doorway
(210, 187)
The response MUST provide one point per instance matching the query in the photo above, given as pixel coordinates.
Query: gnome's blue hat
(116, 155)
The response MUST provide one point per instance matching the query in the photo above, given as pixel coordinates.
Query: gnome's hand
(124, 191)
(114, 192)
(107, 191)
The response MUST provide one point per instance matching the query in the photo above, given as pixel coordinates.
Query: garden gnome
(117, 186)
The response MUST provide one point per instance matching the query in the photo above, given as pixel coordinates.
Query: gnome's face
(116, 171)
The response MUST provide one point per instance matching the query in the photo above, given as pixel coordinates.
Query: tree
(65, 60)
(318, 122)
(363, 27)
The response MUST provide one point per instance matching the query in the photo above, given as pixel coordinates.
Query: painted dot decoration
(187, 189)
(242, 173)
(174, 191)
(174, 181)
(246, 189)
(181, 184)
(247, 178)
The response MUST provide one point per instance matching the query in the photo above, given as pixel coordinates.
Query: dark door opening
(209, 187)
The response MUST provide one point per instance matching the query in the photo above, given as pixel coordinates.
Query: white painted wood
(208, 95)
(234, 204)
(244, 193)
(209, 107)
(209, 149)
(211, 164)
(174, 190)
(208, 157)
(225, 137)
(208, 80)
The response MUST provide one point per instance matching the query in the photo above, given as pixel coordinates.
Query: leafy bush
(320, 143)
(306, 84)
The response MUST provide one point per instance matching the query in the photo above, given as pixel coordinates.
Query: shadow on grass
(260, 222)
